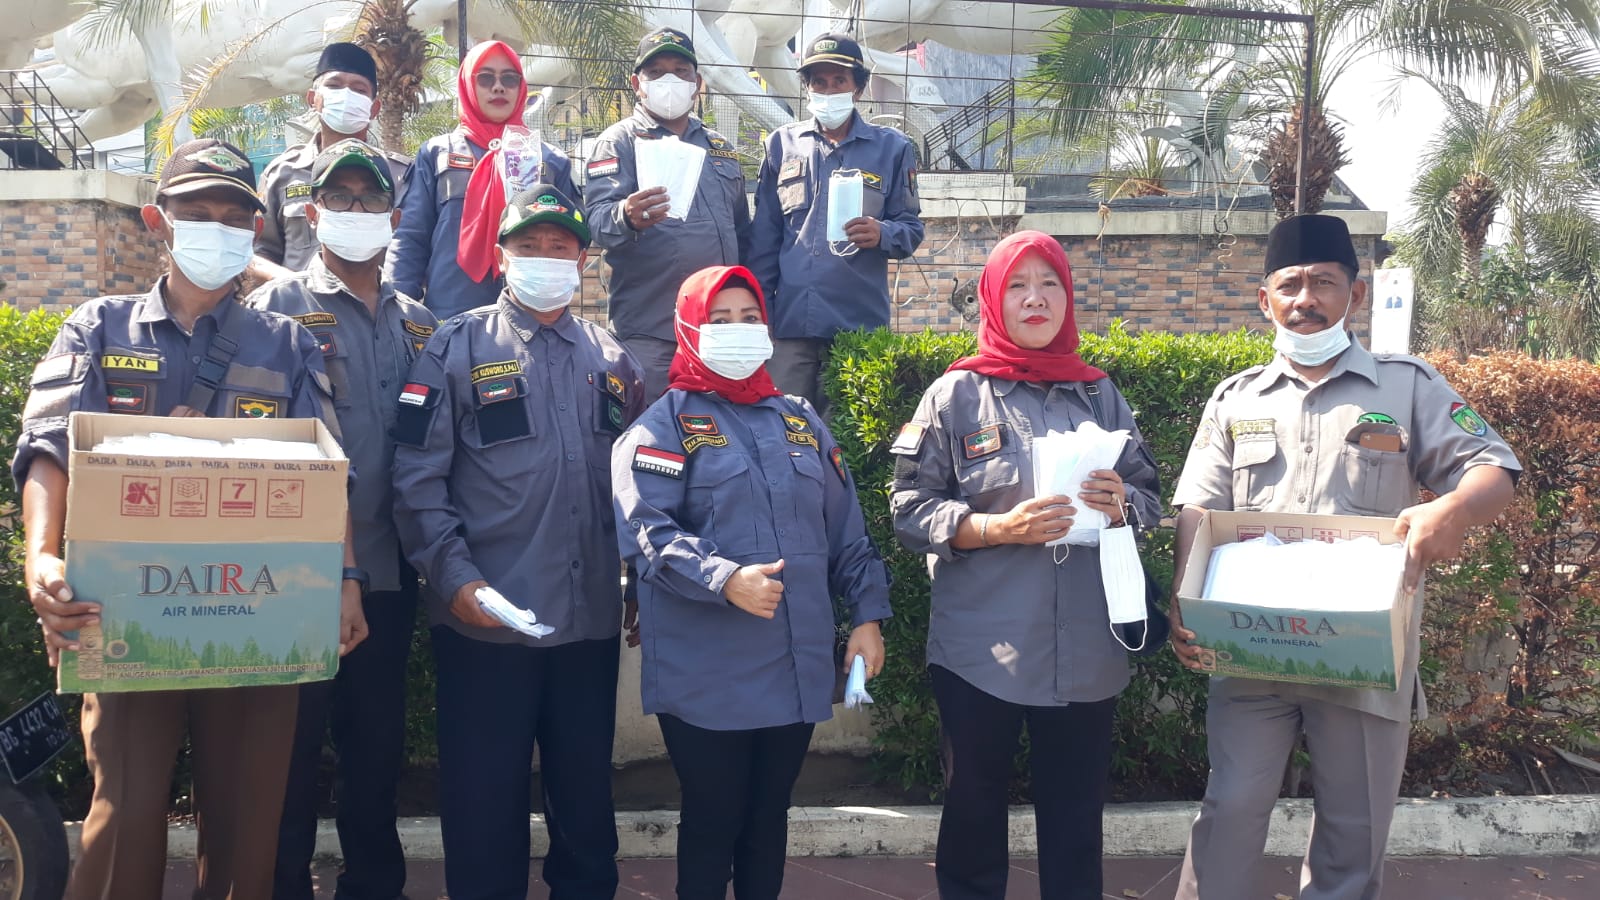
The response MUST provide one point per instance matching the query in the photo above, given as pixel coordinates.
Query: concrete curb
(1565, 825)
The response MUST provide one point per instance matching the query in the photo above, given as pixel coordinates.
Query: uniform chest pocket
(1256, 472)
(807, 530)
(134, 381)
(986, 464)
(794, 193)
(451, 185)
(335, 358)
(1373, 476)
(500, 414)
(721, 504)
(872, 199)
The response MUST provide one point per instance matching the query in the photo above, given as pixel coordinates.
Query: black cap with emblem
(543, 203)
(664, 40)
(839, 49)
(346, 57)
(352, 152)
(1303, 240)
(209, 163)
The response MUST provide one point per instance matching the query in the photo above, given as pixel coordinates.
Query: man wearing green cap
(1325, 428)
(344, 94)
(502, 486)
(369, 335)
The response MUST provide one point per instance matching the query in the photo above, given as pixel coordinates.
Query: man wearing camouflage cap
(502, 482)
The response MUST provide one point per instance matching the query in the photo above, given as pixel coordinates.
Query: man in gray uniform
(1326, 428)
(502, 481)
(816, 287)
(369, 336)
(650, 254)
(345, 95)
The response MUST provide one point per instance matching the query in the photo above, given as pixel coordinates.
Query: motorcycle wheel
(34, 860)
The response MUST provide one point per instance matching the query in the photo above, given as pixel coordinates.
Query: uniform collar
(860, 130)
(526, 326)
(154, 307)
(321, 280)
(1355, 360)
(642, 117)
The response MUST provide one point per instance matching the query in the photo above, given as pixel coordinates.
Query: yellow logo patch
(1247, 427)
(416, 328)
(316, 319)
(252, 408)
(130, 363)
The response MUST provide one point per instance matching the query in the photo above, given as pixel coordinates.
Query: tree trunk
(1324, 156)
(401, 53)
(1475, 199)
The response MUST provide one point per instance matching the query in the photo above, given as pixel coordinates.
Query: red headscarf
(997, 355)
(688, 372)
(486, 196)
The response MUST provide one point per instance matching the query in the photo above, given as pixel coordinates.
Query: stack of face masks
(855, 687)
(161, 444)
(672, 164)
(1062, 462)
(513, 617)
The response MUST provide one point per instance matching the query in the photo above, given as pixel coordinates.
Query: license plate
(32, 736)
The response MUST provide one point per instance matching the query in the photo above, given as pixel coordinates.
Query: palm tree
(1525, 162)
(1100, 58)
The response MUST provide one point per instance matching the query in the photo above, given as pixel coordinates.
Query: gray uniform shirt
(648, 267)
(502, 468)
(367, 360)
(286, 237)
(1009, 620)
(1269, 441)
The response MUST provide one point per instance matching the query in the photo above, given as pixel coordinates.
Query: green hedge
(875, 380)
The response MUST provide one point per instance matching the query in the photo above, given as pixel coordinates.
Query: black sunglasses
(508, 80)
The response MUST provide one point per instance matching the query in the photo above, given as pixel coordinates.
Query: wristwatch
(360, 577)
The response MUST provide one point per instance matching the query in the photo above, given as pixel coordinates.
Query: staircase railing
(36, 131)
(951, 138)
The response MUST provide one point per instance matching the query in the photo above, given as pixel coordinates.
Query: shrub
(875, 380)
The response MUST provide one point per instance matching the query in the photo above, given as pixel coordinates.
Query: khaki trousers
(241, 739)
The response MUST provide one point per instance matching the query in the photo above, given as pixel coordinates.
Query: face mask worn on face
(540, 283)
(668, 96)
(353, 236)
(1312, 349)
(831, 110)
(734, 350)
(210, 254)
(344, 110)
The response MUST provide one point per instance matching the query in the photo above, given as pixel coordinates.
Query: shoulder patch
(254, 408)
(416, 328)
(599, 168)
(982, 442)
(615, 387)
(415, 393)
(909, 441)
(872, 180)
(661, 462)
(56, 368)
(1468, 419)
(796, 424)
(495, 370)
(837, 456)
(460, 161)
(698, 424)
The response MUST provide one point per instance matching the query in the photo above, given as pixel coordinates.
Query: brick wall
(57, 254)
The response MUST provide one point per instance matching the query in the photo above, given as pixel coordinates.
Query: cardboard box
(1299, 644)
(209, 572)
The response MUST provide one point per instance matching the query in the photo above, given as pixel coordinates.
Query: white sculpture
(26, 21)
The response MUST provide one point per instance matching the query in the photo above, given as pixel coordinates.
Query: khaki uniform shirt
(1270, 442)
(286, 237)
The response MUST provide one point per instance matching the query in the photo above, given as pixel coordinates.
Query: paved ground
(1526, 878)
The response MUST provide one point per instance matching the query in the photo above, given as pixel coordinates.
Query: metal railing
(36, 131)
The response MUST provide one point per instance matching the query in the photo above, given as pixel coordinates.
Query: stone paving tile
(1511, 878)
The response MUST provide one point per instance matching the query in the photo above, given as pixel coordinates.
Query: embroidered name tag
(416, 328)
(1246, 428)
(495, 370)
(317, 319)
(296, 191)
(661, 462)
(130, 363)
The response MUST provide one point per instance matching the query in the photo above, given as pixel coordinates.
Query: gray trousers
(796, 367)
(654, 357)
(1357, 760)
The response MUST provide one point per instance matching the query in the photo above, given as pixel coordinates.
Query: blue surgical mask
(1312, 349)
(831, 110)
(210, 254)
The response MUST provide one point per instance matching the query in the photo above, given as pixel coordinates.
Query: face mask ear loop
(1060, 553)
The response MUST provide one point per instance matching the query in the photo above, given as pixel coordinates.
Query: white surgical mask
(344, 110)
(540, 283)
(831, 110)
(733, 350)
(668, 96)
(351, 235)
(1312, 349)
(1122, 575)
(210, 254)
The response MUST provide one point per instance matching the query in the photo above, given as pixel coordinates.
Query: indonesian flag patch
(661, 462)
(601, 167)
(414, 394)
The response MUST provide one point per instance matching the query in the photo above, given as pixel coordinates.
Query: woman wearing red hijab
(1018, 633)
(735, 508)
(443, 249)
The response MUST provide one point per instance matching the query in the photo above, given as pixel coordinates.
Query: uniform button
(574, 510)
(572, 456)
(1308, 448)
(781, 532)
(773, 481)
(576, 564)
(708, 579)
(383, 384)
(195, 360)
(561, 406)
(1302, 498)
(635, 523)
